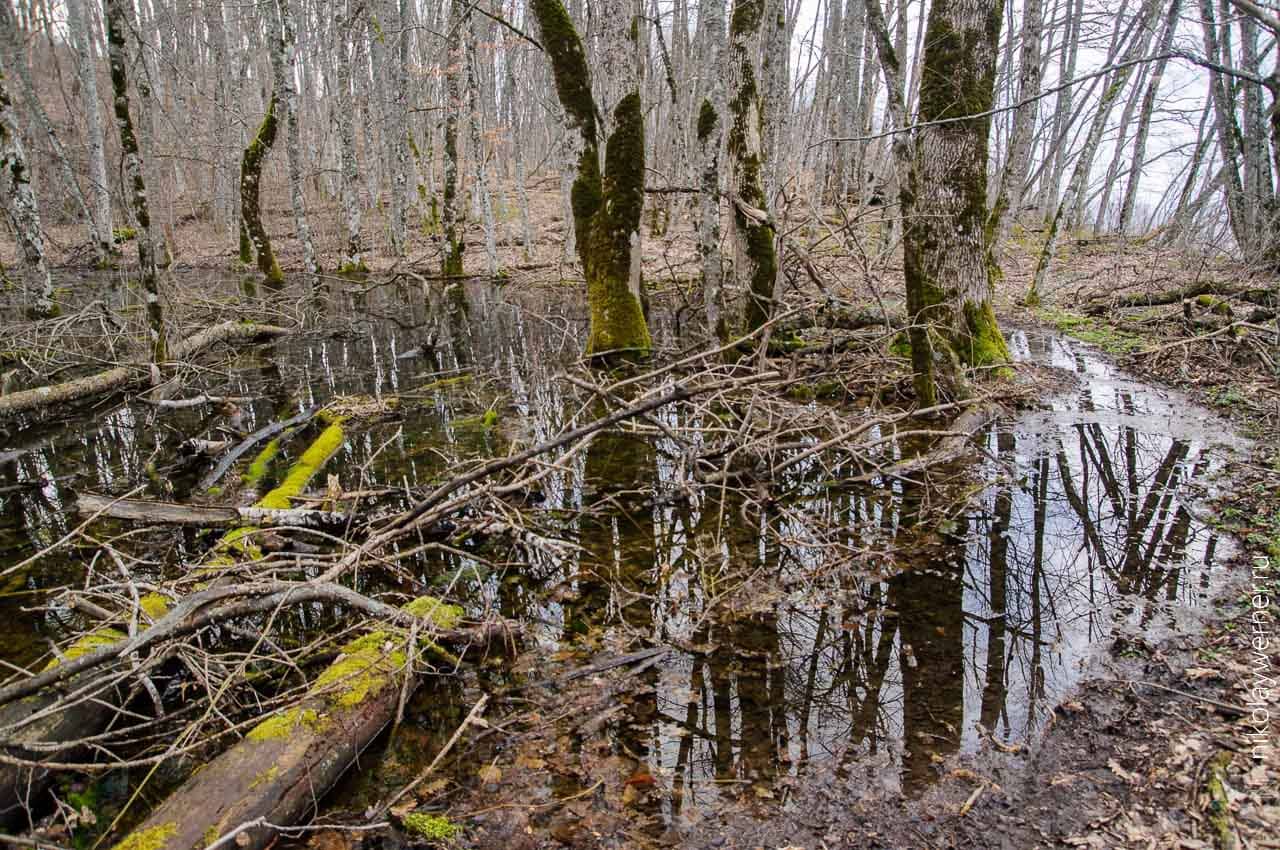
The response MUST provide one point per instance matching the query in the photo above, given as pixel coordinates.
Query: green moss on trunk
(617, 316)
(252, 230)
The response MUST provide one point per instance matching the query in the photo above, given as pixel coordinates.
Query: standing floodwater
(689, 656)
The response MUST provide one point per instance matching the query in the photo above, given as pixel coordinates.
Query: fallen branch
(130, 374)
(207, 516)
(228, 460)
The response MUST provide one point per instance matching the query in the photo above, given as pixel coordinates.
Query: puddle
(850, 636)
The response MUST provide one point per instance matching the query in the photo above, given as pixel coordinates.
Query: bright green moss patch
(123, 234)
(985, 344)
(261, 463)
(430, 827)
(155, 605)
(152, 838)
(317, 454)
(441, 614)
(282, 725)
(363, 670)
(88, 643)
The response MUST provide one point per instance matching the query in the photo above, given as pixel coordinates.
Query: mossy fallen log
(285, 764)
(35, 728)
(131, 374)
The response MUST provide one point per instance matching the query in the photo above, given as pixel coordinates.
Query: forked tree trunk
(23, 210)
(606, 207)
(117, 25)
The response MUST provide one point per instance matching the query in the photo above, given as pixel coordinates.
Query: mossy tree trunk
(118, 23)
(253, 236)
(607, 203)
(451, 217)
(755, 260)
(23, 210)
(943, 179)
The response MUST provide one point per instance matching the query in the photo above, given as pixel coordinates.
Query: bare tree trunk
(117, 26)
(452, 218)
(1144, 118)
(100, 189)
(20, 204)
(283, 70)
(1080, 175)
(12, 58)
(353, 256)
(1013, 177)
(476, 114)
(755, 262)
(710, 139)
(397, 126)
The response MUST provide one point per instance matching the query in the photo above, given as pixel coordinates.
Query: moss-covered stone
(430, 827)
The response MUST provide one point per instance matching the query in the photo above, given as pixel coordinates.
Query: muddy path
(853, 658)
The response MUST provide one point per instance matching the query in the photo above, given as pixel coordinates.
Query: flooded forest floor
(766, 609)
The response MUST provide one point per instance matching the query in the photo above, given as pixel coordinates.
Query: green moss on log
(284, 724)
(261, 463)
(153, 838)
(86, 644)
(316, 455)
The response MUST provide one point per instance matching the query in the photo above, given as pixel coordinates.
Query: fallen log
(1255, 295)
(131, 374)
(33, 727)
(208, 516)
(215, 475)
(277, 773)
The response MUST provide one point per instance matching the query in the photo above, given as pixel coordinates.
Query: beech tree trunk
(283, 70)
(606, 206)
(254, 241)
(24, 212)
(755, 261)
(118, 19)
(944, 194)
(99, 188)
(710, 138)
